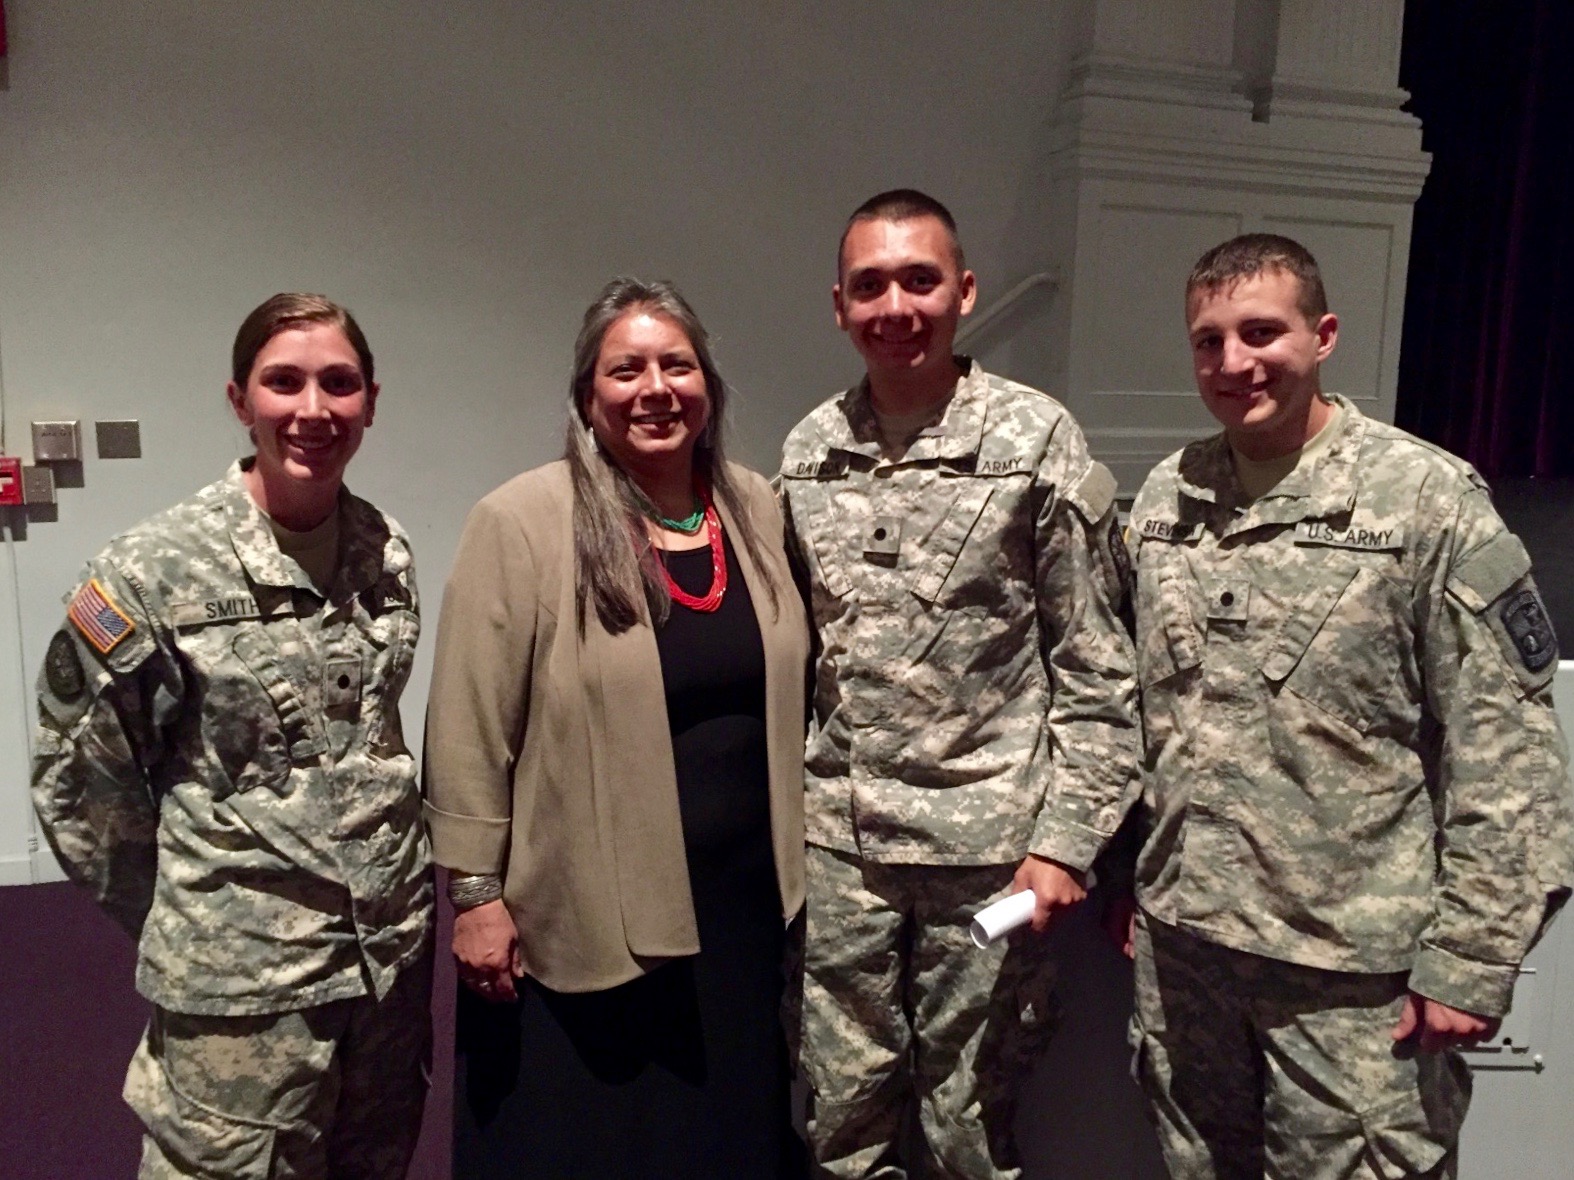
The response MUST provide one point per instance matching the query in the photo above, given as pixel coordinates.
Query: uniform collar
(363, 540)
(957, 435)
(1327, 488)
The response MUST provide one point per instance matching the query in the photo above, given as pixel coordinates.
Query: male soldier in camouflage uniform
(219, 761)
(1356, 821)
(973, 730)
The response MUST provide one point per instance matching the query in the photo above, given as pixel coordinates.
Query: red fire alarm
(10, 479)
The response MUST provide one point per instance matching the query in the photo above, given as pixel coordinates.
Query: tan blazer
(549, 760)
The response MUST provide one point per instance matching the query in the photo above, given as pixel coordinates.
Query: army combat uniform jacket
(219, 758)
(973, 696)
(1353, 760)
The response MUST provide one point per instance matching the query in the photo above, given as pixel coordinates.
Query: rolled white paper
(1000, 919)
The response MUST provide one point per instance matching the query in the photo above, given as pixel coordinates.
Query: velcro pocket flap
(300, 723)
(1300, 626)
(943, 547)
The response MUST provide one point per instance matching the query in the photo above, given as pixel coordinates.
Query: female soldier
(220, 762)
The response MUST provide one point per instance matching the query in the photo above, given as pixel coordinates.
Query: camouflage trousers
(899, 1005)
(332, 1091)
(1255, 1067)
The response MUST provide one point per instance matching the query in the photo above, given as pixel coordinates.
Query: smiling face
(648, 402)
(901, 295)
(1256, 355)
(307, 404)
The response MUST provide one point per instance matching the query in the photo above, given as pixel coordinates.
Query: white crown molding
(1291, 89)
(1091, 153)
(1110, 75)
(1125, 119)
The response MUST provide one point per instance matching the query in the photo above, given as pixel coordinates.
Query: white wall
(465, 177)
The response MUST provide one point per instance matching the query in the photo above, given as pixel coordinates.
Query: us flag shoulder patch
(94, 613)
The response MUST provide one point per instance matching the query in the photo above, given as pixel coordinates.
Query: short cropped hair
(1250, 255)
(287, 310)
(903, 204)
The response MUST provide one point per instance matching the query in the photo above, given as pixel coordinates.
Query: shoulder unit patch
(1525, 620)
(63, 667)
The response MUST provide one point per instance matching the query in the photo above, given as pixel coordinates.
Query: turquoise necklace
(690, 524)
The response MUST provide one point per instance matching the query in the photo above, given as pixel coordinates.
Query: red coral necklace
(718, 563)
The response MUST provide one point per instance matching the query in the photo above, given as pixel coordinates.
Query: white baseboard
(40, 868)
(45, 867)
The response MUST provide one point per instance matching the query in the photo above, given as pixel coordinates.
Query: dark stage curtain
(1490, 302)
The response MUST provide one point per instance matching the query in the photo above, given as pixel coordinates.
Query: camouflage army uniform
(219, 761)
(1356, 784)
(973, 701)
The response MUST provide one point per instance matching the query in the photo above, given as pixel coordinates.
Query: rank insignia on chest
(883, 537)
(1228, 599)
(94, 613)
(341, 682)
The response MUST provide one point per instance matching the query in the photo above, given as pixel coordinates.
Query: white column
(1338, 52)
(1185, 122)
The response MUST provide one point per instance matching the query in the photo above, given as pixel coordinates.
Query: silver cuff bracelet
(467, 890)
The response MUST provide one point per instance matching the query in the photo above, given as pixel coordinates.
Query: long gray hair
(614, 562)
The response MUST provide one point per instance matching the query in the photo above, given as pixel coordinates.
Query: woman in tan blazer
(614, 781)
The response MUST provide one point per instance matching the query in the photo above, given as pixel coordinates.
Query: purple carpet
(69, 1020)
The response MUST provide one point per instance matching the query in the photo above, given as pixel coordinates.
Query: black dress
(682, 1072)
